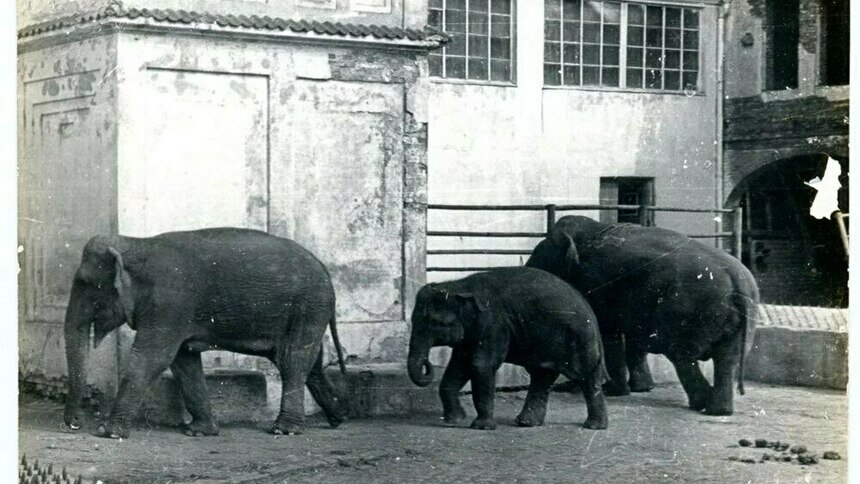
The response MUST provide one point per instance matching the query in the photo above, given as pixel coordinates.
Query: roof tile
(268, 23)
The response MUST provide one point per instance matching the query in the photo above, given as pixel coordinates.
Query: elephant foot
(596, 423)
(719, 408)
(529, 420)
(614, 388)
(282, 427)
(335, 420)
(699, 402)
(200, 429)
(455, 416)
(641, 385)
(112, 431)
(73, 419)
(483, 424)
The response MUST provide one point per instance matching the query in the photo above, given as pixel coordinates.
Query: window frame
(623, 46)
(444, 56)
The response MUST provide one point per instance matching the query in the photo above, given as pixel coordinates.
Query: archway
(796, 258)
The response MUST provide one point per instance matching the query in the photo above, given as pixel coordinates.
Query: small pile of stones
(787, 453)
(34, 473)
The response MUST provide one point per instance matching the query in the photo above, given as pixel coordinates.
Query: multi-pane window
(621, 44)
(481, 43)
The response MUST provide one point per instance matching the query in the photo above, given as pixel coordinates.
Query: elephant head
(102, 299)
(441, 317)
(560, 252)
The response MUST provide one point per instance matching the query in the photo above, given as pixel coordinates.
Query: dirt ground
(651, 437)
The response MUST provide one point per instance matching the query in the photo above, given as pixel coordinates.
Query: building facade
(786, 112)
(334, 122)
(577, 102)
(140, 118)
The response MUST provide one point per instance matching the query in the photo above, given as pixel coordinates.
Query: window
(626, 191)
(782, 29)
(481, 44)
(621, 45)
(835, 39)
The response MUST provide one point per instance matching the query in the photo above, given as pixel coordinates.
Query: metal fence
(644, 212)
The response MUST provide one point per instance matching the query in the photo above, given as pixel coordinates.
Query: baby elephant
(517, 315)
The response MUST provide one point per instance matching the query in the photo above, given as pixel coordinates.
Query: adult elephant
(186, 292)
(657, 291)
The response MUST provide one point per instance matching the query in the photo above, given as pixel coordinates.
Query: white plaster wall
(530, 145)
(66, 148)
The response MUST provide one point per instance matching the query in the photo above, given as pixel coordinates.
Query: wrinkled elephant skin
(185, 292)
(517, 315)
(658, 291)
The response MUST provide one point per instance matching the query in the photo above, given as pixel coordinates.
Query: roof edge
(273, 28)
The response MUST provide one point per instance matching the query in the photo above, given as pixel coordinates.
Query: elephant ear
(122, 283)
(481, 303)
(565, 242)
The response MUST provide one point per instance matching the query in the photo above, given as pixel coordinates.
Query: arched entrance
(797, 259)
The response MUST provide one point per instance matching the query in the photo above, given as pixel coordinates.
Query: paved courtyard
(651, 437)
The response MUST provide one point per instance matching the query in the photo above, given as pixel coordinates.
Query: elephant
(186, 292)
(658, 291)
(517, 315)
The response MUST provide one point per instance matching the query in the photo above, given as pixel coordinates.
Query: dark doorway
(627, 190)
(796, 258)
(783, 32)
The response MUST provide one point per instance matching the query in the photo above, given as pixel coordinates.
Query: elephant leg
(298, 344)
(613, 351)
(456, 375)
(188, 371)
(695, 385)
(149, 356)
(637, 365)
(483, 378)
(324, 393)
(726, 362)
(534, 408)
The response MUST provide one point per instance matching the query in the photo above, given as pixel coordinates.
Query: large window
(782, 30)
(481, 44)
(836, 39)
(621, 45)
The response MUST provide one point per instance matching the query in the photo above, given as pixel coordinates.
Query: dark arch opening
(797, 259)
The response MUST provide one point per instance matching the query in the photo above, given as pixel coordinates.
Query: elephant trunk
(418, 361)
(77, 334)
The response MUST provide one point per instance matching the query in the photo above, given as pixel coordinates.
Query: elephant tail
(336, 340)
(747, 308)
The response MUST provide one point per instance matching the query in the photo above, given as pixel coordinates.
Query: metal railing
(644, 212)
(843, 230)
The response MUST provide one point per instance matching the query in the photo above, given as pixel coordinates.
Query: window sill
(472, 82)
(832, 93)
(623, 90)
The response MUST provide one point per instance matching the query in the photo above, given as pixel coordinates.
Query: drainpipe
(722, 13)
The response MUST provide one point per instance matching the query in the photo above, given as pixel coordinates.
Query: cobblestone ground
(652, 438)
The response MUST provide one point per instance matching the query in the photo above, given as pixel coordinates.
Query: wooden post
(550, 218)
(843, 233)
(643, 215)
(737, 232)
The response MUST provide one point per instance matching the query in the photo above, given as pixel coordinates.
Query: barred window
(621, 45)
(481, 44)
